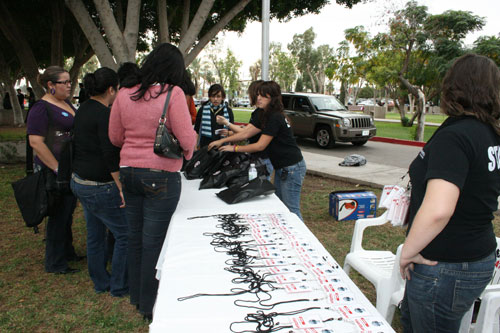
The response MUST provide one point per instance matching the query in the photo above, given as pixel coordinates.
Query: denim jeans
(437, 297)
(288, 183)
(101, 207)
(269, 167)
(151, 197)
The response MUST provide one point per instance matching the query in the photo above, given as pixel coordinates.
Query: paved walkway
(372, 174)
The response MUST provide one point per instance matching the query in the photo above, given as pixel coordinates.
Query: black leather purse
(166, 144)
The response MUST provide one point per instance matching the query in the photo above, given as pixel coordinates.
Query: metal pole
(265, 40)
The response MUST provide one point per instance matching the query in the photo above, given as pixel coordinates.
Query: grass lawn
(396, 131)
(34, 301)
(431, 118)
(8, 133)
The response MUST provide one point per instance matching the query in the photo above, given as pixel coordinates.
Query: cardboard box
(352, 205)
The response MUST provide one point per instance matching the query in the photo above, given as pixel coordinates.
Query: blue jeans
(288, 183)
(437, 297)
(101, 207)
(151, 197)
(269, 167)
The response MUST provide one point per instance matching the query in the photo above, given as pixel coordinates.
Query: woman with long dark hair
(151, 183)
(49, 125)
(277, 140)
(95, 181)
(449, 253)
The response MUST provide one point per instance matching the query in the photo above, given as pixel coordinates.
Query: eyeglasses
(63, 82)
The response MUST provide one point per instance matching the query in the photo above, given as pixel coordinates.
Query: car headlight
(346, 122)
(371, 121)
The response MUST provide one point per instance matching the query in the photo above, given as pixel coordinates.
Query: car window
(324, 103)
(286, 101)
(301, 104)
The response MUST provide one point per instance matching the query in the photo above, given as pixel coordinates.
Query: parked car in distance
(367, 102)
(242, 102)
(197, 102)
(324, 119)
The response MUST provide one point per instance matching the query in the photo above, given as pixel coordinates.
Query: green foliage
(281, 67)
(366, 92)
(488, 46)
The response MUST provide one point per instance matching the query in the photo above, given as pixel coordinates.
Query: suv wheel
(323, 137)
(359, 143)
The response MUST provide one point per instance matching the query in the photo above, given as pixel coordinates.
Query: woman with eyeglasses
(50, 121)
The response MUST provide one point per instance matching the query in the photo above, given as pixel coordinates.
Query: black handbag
(31, 197)
(166, 144)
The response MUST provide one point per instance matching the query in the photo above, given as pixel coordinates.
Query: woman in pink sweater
(151, 183)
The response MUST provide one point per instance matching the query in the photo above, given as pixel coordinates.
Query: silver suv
(326, 120)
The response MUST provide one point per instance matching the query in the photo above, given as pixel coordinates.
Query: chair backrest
(359, 228)
(496, 272)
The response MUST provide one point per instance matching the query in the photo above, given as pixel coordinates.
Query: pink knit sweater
(132, 126)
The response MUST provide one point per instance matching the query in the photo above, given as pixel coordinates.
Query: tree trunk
(186, 9)
(16, 107)
(196, 25)
(119, 15)
(21, 47)
(189, 39)
(131, 32)
(313, 83)
(57, 8)
(419, 135)
(163, 21)
(93, 35)
(114, 35)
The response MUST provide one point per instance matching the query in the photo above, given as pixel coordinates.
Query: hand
(223, 132)
(214, 144)
(227, 148)
(222, 121)
(406, 264)
(123, 199)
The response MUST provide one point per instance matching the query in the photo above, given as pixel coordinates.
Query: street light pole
(265, 40)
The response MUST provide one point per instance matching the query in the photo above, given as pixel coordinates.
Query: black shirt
(282, 150)
(254, 139)
(465, 152)
(94, 157)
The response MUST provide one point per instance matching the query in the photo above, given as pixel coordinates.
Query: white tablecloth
(189, 265)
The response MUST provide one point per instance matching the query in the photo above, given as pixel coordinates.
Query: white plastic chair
(488, 317)
(378, 267)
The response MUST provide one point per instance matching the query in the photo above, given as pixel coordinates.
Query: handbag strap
(165, 107)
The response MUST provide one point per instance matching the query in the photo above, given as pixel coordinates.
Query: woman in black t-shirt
(95, 181)
(278, 142)
(252, 95)
(449, 254)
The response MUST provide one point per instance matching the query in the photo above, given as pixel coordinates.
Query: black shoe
(147, 317)
(67, 271)
(76, 258)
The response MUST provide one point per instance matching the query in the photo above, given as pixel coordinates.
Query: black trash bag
(246, 191)
(201, 161)
(242, 178)
(353, 160)
(218, 159)
(232, 165)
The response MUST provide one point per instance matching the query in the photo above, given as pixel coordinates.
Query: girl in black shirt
(449, 254)
(278, 142)
(96, 184)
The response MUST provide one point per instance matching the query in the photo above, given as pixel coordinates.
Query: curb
(398, 141)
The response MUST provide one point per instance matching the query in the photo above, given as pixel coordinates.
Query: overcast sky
(330, 24)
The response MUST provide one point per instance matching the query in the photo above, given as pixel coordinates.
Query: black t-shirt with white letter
(282, 150)
(465, 152)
